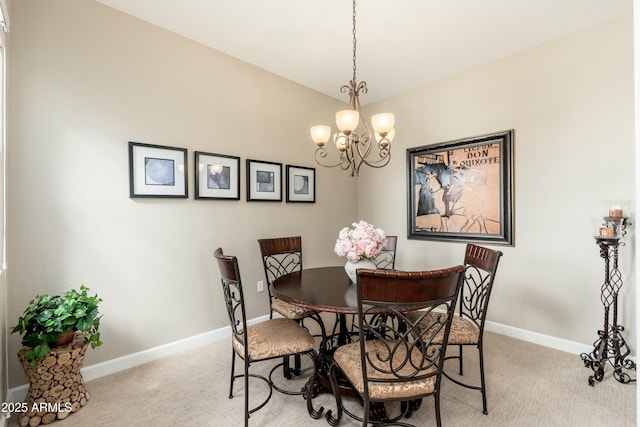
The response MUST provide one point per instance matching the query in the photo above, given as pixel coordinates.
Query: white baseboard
(17, 394)
(98, 370)
(537, 338)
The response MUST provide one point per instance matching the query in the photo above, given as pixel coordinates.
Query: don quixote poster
(462, 190)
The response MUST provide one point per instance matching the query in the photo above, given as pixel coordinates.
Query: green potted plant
(47, 318)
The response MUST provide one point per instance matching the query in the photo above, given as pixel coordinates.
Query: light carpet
(528, 385)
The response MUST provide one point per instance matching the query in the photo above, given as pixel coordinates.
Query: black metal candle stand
(610, 347)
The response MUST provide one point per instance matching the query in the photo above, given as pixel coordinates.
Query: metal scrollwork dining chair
(396, 361)
(280, 256)
(271, 339)
(467, 328)
(386, 259)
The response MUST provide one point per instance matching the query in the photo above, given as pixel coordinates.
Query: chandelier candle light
(355, 149)
(360, 245)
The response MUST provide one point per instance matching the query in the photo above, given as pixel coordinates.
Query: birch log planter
(56, 388)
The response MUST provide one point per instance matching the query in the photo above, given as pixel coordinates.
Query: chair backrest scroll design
(233, 295)
(403, 351)
(481, 264)
(280, 256)
(386, 259)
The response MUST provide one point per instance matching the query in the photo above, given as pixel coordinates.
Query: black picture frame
(157, 171)
(462, 190)
(217, 176)
(264, 181)
(301, 184)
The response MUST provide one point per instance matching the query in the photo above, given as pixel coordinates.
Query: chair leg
(287, 370)
(483, 388)
(233, 370)
(366, 403)
(436, 398)
(246, 393)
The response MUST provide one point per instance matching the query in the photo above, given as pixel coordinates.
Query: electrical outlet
(260, 286)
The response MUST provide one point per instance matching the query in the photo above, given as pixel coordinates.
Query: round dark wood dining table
(323, 289)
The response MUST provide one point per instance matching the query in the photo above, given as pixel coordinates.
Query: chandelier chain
(354, 41)
(354, 149)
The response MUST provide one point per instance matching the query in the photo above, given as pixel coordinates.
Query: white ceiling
(402, 44)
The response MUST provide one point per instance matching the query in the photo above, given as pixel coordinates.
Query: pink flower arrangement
(360, 242)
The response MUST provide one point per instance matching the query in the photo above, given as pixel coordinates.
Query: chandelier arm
(349, 152)
(384, 153)
(349, 166)
(364, 142)
(347, 89)
(345, 162)
(348, 156)
(385, 157)
(321, 153)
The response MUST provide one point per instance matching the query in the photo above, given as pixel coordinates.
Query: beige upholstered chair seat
(274, 338)
(290, 311)
(463, 330)
(348, 358)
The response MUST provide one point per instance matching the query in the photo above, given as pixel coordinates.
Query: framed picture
(157, 171)
(462, 190)
(264, 181)
(301, 184)
(217, 176)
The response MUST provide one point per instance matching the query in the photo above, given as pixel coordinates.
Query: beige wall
(85, 79)
(570, 103)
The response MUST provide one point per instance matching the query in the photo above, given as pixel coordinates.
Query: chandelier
(356, 148)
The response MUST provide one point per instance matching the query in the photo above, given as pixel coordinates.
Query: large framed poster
(462, 190)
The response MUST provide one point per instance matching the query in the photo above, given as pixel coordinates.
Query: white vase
(351, 267)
